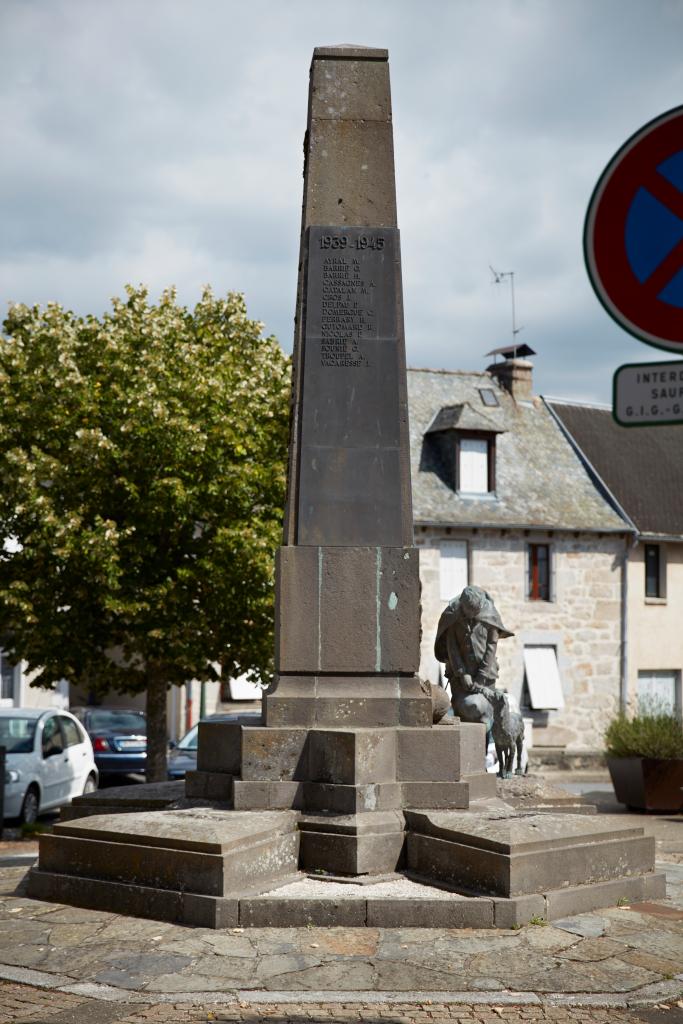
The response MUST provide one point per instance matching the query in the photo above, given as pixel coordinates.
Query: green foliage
(142, 481)
(655, 734)
(29, 829)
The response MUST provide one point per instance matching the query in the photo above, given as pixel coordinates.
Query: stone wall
(582, 622)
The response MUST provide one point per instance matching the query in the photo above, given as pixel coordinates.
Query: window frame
(529, 563)
(660, 595)
(64, 723)
(477, 435)
(58, 732)
(8, 702)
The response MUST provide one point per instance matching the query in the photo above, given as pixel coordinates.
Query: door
(55, 771)
(76, 754)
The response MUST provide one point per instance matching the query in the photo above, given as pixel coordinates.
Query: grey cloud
(162, 142)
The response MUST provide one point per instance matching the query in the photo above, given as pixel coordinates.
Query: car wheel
(30, 806)
(90, 785)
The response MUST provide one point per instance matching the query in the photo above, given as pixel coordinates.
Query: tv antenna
(498, 276)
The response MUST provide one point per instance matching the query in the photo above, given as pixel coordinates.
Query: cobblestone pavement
(20, 1003)
(65, 964)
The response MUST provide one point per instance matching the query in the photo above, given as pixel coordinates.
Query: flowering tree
(142, 478)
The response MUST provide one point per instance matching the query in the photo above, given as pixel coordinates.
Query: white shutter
(474, 466)
(656, 692)
(452, 568)
(543, 678)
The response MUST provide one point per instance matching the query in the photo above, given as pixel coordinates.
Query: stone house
(641, 472)
(501, 499)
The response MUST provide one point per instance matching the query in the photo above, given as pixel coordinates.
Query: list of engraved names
(347, 314)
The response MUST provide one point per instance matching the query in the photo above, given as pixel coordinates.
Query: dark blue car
(183, 756)
(119, 739)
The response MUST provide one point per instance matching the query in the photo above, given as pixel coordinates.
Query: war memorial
(349, 785)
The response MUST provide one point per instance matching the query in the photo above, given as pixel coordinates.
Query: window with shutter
(475, 464)
(453, 575)
(542, 678)
(539, 572)
(658, 691)
(655, 571)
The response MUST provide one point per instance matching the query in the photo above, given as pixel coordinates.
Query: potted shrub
(645, 760)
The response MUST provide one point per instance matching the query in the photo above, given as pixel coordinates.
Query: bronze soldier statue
(466, 640)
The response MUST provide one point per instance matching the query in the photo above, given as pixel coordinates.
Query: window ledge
(477, 496)
(540, 600)
(655, 600)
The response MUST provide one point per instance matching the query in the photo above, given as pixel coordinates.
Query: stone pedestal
(350, 783)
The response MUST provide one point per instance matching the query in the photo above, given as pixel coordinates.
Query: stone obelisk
(348, 605)
(347, 737)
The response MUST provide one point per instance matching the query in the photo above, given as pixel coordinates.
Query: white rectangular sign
(646, 394)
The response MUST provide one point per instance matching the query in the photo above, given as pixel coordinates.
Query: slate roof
(462, 417)
(540, 480)
(642, 467)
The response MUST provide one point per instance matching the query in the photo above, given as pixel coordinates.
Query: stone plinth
(515, 853)
(354, 775)
(189, 865)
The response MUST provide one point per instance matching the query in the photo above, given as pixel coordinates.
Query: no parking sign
(633, 236)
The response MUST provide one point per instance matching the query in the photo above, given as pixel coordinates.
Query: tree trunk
(157, 738)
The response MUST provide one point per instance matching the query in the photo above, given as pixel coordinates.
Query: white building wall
(26, 696)
(655, 625)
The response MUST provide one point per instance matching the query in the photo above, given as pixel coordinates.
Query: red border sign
(636, 303)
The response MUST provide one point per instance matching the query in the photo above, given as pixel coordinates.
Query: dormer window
(475, 463)
(463, 445)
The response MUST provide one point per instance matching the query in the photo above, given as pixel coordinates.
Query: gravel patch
(399, 888)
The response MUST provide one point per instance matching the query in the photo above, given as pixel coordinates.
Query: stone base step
(275, 908)
(513, 853)
(125, 800)
(353, 844)
(201, 850)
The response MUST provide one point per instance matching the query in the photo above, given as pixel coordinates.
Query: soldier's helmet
(472, 601)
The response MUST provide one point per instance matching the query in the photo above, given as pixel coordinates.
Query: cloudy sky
(159, 141)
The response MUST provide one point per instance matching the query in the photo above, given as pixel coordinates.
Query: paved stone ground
(21, 1004)
(67, 964)
(70, 966)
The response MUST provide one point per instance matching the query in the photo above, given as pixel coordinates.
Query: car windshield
(117, 721)
(189, 740)
(16, 734)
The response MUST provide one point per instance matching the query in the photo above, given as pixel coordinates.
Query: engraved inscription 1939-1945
(351, 293)
(350, 469)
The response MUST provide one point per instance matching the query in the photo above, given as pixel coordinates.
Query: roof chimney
(514, 372)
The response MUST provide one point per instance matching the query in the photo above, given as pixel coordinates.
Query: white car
(49, 760)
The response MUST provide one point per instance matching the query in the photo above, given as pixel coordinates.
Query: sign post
(645, 394)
